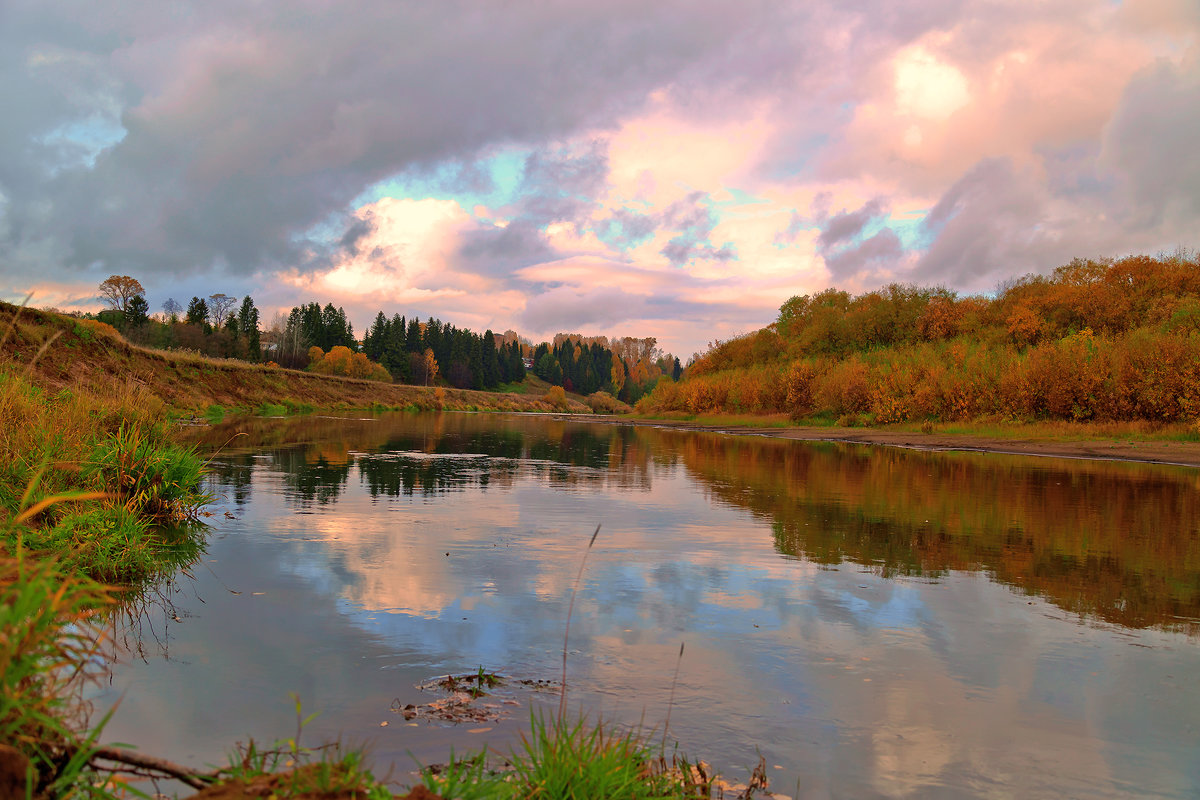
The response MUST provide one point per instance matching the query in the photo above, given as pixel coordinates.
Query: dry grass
(87, 359)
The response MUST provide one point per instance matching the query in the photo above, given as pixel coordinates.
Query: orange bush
(556, 396)
(845, 388)
(341, 360)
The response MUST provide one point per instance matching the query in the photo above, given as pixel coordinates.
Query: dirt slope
(61, 352)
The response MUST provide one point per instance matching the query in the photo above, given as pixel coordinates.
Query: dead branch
(193, 778)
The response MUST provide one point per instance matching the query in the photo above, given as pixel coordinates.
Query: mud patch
(474, 697)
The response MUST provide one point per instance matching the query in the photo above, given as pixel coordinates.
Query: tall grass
(86, 482)
(46, 645)
(562, 759)
(93, 479)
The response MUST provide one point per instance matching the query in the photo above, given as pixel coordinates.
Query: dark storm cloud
(497, 252)
(355, 232)
(997, 222)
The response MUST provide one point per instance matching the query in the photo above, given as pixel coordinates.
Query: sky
(675, 169)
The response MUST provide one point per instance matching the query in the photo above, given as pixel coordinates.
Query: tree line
(1107, 339)
(589, 364)
(215, 326)
(396, 348)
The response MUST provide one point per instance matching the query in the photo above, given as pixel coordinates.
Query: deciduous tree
(220, 306)
(118, 290)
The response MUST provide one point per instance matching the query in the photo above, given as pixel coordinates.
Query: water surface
(874, 622)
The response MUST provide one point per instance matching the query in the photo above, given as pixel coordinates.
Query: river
(872, 622)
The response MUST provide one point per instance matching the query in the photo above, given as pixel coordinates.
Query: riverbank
(61, 353)
(1169, 447)
(58, 352)
(93, 485)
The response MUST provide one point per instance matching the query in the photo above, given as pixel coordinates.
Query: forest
(394, 349)
(1097, 340)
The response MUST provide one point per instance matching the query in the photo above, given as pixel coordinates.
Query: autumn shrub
(891, 394)
(605, 403)
(710, 393)
(555, 396)
(741, 392)
(341, 360)
(845, 388)
(773, 391)
(1099, 340)
(1167, 367)
(102, 328)
(799, 382)
(666, 396)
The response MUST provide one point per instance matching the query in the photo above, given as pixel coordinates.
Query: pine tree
(395, 351)
(516, 364)
(137, 312)
(197, 314)
(412, 339)
(373, 341)
(247, 323)
(491, 361)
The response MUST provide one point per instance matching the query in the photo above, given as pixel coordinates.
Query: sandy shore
(1155, 452)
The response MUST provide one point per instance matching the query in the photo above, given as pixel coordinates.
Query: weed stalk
(562, 702)
(671, 698)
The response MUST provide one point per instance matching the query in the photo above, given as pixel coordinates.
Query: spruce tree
(247, 326)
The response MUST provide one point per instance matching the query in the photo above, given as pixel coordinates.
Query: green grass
(113, 544)
(46, 649)
(560, 759)
(298, 406)
(289, 769)
(86, 482)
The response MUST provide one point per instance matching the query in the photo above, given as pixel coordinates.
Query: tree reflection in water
(1113, 541)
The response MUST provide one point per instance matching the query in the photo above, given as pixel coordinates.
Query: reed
(671, 698)
(562, 701)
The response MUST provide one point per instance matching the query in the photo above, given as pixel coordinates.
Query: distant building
(528, 362)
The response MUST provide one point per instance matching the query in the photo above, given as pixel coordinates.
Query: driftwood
(159, 767)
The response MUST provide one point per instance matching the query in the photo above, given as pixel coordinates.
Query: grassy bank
(96, 497)
(84, 356)
(92, 489)
(999, 430)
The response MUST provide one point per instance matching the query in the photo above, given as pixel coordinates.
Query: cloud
(881, 250)
(709, 158)
(849, 224)
(252, 123)
(568, 309)
(1151, 142)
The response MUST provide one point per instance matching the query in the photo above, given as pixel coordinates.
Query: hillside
(64, 353)
(1096, 341)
